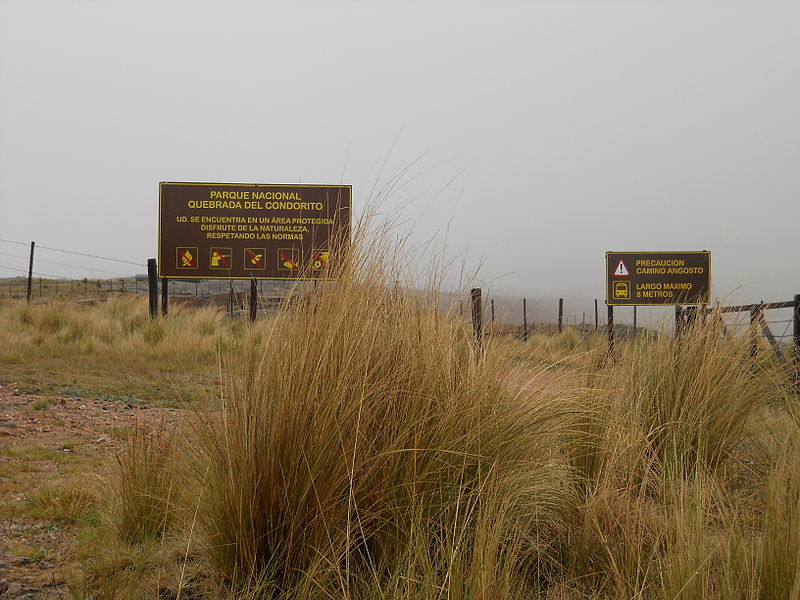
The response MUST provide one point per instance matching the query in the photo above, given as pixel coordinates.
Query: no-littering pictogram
(254, 258)
(186, 257)
(621, 270)
(221, 258)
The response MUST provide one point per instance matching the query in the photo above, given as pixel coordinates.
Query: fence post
(30, 272)
(152, 281)
(635, 325)
(611, 330)
(678, 321)
(492, 303)
(477, 317)
(596, 316)
(524, 320)
(796, 337)
(753, 330)
(560, 315)
(253, 300)
(164, 296)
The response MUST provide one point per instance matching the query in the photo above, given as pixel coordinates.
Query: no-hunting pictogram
(221, 258)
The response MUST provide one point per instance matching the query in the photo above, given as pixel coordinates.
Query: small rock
(9, 589)
(52, 579)
(43, 564)
(21, 561)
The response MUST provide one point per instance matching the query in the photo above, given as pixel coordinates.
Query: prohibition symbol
(320, 260)
(254, 258)
(186, 258)
(288, 259)
(221, 258)
(621, 270)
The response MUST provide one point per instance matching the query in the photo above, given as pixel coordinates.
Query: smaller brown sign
(658, 278)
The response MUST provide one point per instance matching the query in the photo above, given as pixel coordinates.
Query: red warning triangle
(621, 270)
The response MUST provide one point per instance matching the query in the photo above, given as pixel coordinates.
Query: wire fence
(502, 315)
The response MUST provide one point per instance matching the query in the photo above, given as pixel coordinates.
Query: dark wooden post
(492, 303)
(596, 316)
(164, 296)
(524, 320)
(796, 337)
(753, 330)
(253, 300)
(40, 286)
(610, 330)
(152, 282)
(560, 315)
(678, 321)
(634, 321)
(477, 317)
(30, 272)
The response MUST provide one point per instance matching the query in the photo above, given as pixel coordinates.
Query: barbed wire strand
(36, 273)
(119, 260)
(52, 262)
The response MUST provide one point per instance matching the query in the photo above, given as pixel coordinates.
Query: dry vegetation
(360, 448)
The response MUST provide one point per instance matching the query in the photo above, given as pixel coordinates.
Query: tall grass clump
(144, 489)
(780, 547)
(363, 445)
(688, 398)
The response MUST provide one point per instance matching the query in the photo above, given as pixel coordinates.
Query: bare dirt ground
(47, 442)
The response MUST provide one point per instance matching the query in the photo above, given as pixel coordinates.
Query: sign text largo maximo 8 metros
(251, 231)
(641, 278)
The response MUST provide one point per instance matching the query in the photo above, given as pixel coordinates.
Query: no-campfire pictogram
(186, 257)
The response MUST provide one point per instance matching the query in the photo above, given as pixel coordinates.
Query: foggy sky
(538, 135)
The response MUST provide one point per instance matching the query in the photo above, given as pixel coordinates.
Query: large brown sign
(642, 278)
(251, 231)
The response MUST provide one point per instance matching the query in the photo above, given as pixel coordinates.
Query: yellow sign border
(264, 185)
(710, 272)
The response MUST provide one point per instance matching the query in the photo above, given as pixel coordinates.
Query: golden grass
(364, 449)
